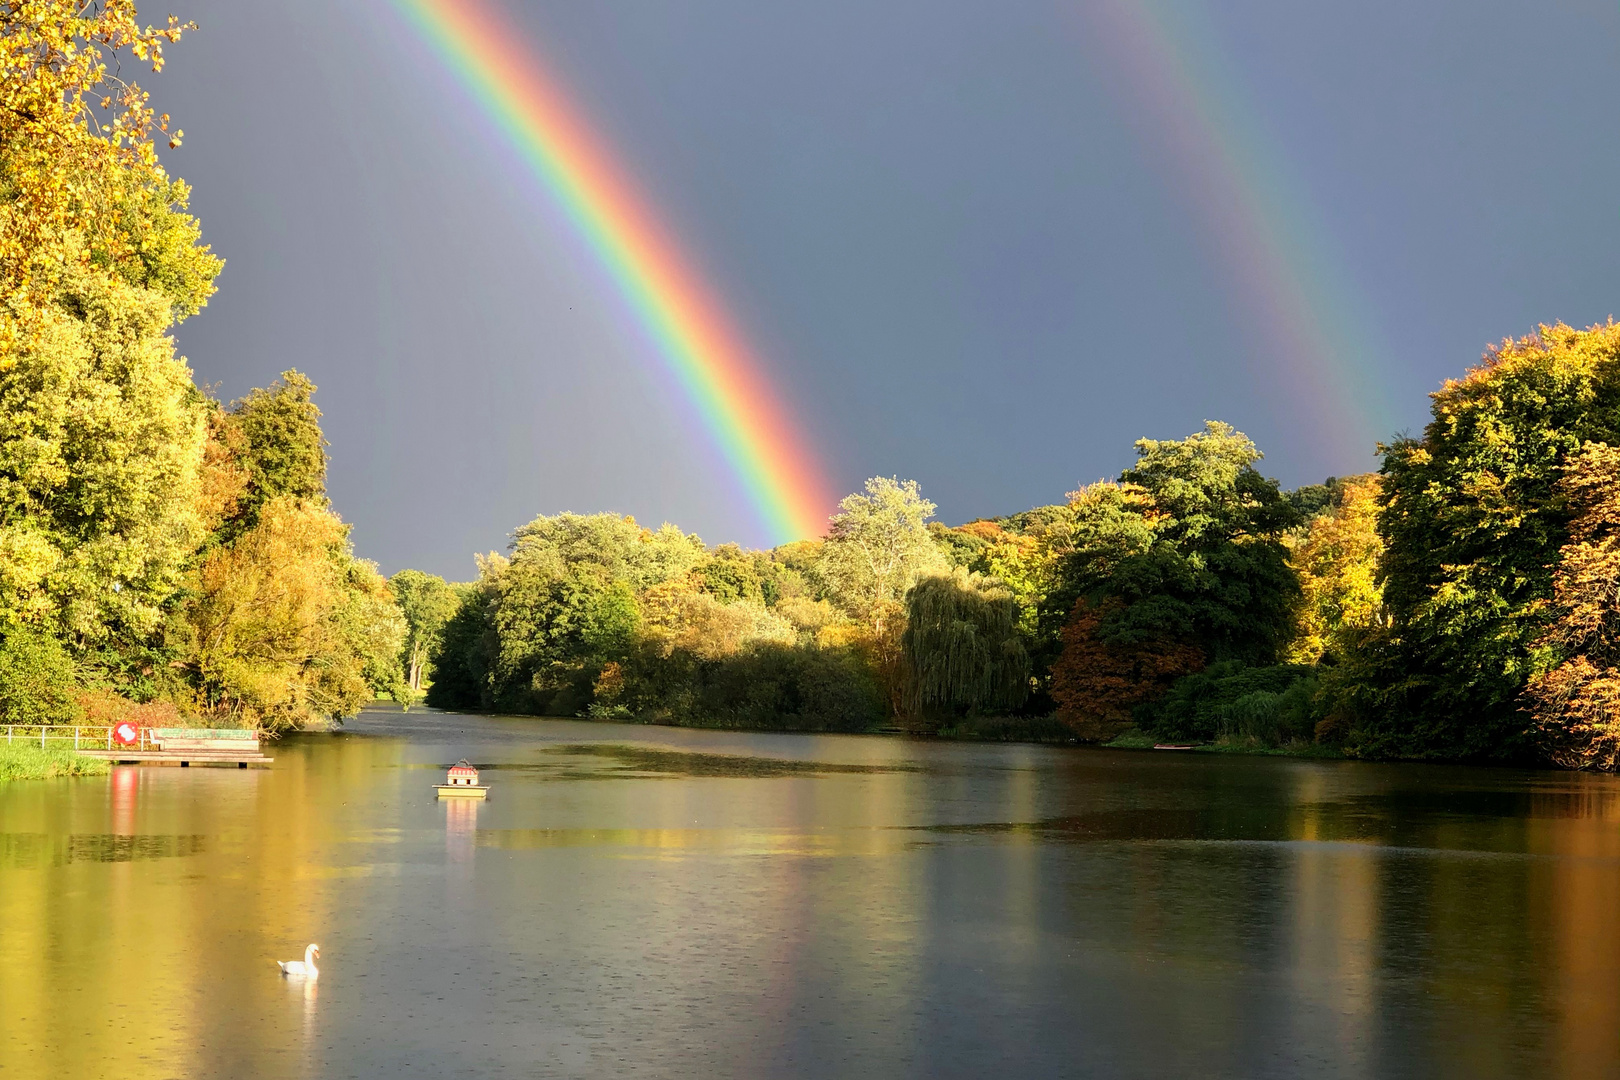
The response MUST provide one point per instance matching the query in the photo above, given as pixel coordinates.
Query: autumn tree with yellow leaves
(1336, 558)
(1575, 703)
(132, 508)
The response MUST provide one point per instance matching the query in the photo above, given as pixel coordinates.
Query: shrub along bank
(1457, 605)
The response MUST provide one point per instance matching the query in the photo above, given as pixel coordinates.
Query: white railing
(82, 737)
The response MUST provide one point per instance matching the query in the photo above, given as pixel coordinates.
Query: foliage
(1336, 558)
(962, 648)
(1100, 681)
(99, 422)
(1575, 703)
(152, 543)
(1473, 524)
(23, 761)
(565, 603)
(105, 708)
(464, 655)
(877, 545)
(1270, 705)
(1179, 564)
(38, 683)
(280, 447)
(286, 626)
(427, 603)
(81, 190)
(1022, 552)
(1314, 499)
(766, 685)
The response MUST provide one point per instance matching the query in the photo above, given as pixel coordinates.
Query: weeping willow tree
(962, 649)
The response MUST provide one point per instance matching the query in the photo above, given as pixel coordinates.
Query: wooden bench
(204, 740)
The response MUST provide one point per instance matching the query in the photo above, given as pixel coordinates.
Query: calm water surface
(641, 901)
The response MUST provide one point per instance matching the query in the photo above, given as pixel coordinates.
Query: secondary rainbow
(1276, 254)
(683, 320)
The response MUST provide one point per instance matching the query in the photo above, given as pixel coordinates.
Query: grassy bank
(19, 762)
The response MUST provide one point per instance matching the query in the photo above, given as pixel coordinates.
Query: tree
(281, 447)
(101, 426)
(1575, 703)
(264, 649)
(427, 604)
(1100, 681)
(1473, 524)
(464, 660)
(962, 646)
(1336, 558)
(84, 195)
(37, 680)
(286, 626)
(877, 545)
(1179, 564)
(565, 604)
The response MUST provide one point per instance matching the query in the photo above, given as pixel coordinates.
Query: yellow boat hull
(461, 791)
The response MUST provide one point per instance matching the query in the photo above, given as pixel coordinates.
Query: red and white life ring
(126, 734)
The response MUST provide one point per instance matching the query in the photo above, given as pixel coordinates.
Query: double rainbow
(685, 323)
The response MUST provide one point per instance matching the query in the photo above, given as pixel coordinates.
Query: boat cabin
(462, 775)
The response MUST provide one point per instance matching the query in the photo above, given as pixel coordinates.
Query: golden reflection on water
(760, 918)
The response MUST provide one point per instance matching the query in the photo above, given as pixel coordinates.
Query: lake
(643, 901)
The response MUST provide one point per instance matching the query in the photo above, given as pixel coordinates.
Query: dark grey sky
(964, 237)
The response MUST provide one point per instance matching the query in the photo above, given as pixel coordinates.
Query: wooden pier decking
(186, 758)
(155, 746)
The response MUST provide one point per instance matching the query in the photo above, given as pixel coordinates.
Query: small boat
(1175, 746)
(461, 783)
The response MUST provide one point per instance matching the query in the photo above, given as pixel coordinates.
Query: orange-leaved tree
(1098, 683)
(1576, 702)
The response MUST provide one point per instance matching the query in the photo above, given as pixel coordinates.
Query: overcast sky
(984, 246)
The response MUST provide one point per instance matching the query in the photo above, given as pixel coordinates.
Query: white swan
(306, 967)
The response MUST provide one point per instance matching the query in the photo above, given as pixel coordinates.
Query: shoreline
(1033, 731)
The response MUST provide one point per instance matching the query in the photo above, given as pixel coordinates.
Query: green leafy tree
(286, 627)
(1180, 564)
(1473, 523)
(564, 605)
(427, 603)
(280, 445)
(463, 659)
(37, 679)
(730, 574)
(878, 544)
(962, 646)
(100, 423)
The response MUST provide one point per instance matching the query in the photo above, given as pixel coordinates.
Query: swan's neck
(309, 958)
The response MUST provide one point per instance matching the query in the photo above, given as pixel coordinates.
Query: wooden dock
(184, 758)
(149, 746)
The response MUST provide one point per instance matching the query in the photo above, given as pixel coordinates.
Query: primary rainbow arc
(687, 326)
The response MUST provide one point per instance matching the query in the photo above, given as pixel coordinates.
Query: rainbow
(1316, 329)
(684, 322)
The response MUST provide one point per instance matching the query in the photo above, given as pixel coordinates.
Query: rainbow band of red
(687, 326)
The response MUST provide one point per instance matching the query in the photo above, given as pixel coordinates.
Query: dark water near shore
(653, 902)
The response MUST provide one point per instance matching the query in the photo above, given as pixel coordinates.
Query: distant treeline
(1459, 604)
(165, 556)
